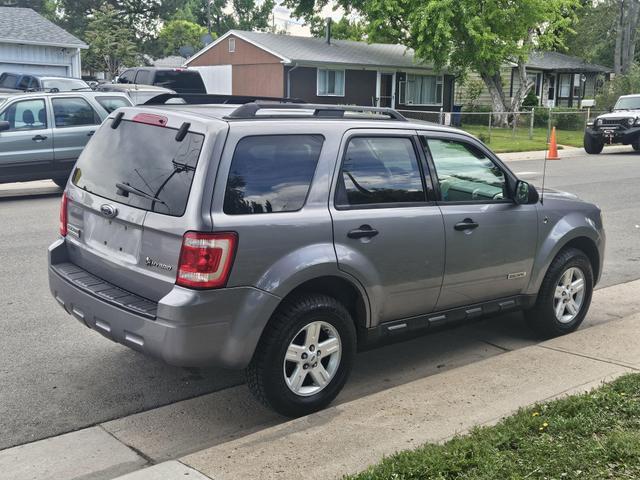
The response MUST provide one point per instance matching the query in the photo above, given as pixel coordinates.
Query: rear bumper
(187, 328)
(626, 137)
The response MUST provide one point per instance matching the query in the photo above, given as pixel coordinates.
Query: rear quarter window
(183, 81)
(271, 173)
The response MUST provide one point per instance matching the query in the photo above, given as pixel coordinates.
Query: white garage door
(35, 69)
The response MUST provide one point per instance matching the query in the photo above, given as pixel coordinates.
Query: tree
(466, 34)
(343, 29)
(594, 34)
(46, 8)
(626, 35)
(111, 44)
(180, 33)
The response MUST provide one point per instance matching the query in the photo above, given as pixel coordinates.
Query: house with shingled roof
(29, 43)
(321, 70)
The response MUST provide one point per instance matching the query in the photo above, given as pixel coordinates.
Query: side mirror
(4, 125)
(525, 194)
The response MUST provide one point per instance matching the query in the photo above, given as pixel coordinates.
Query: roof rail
(250, 110)
(209, 99)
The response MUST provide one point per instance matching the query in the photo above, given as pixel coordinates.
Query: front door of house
(551, 92)
(385, 93)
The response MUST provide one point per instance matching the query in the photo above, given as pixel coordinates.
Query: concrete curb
(22, 189)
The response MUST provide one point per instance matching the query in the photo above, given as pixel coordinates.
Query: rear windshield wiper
(125, 187)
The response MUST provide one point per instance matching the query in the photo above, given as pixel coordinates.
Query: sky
(294, 26)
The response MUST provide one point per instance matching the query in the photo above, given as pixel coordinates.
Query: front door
(385, 90)
(387, 232)
(491, 241)
(27, 147)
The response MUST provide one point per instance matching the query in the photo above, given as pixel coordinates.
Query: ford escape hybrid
(281, 238)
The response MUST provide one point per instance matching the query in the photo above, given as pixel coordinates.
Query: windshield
(64, 84)
(628, 103)
(156, 178)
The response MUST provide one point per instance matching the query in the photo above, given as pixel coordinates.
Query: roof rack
(250, 110)
(209, 99)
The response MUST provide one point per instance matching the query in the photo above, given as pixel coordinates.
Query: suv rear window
(182, 81)
(163, 168)
(271, 173)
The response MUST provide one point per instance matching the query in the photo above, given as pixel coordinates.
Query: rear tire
(61, 182)
(289, 372)
(565, 295)
(592, 146)
(636, 145)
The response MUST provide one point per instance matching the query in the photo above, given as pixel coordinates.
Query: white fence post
(533, 113)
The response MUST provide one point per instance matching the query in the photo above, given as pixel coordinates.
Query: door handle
(90, 134)
(39, 138)
(364, 231)
(466, 224)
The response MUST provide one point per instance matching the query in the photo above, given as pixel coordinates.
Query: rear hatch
(132, 198)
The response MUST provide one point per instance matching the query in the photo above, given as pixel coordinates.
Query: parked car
(27, 83)
(181, 80)
(139, 94)
(42, 134)
(621, 125)
(282, 237)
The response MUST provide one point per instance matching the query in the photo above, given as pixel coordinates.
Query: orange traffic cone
(553, 146)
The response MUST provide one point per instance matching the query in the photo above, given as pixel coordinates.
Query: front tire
(304, 356)
(565, 295)
(592, 146)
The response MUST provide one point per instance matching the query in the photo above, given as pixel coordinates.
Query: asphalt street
(57, 376)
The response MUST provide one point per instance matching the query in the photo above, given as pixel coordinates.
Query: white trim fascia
(240, 36)
(42, 44)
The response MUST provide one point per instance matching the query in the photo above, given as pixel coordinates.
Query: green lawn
(502, 139)
(592, 436)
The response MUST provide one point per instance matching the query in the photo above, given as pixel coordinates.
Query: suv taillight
(63, 215)
(206, 259)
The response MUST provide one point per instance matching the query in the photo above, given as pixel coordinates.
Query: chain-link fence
(519, 131)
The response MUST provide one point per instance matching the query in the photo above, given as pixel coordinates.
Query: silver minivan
(281, 238)
(42, 134)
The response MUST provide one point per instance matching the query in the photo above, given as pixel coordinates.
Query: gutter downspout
(295, 65)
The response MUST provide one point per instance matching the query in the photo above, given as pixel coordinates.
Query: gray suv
(282, 238)
(42, 134)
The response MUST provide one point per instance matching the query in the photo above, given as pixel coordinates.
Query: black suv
(180, 80)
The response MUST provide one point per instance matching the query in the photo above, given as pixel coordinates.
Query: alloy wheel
(569, 295)
(312, 358)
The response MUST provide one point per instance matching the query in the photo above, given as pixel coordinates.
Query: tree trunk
(498, 101)
(523, 89)
(617, 53)
(631, 35)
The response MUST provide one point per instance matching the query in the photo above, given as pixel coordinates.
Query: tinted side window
(143, 77)
(25, 82)
(182, 81)
(8, 80)
(271, 173)
(73, 112)
(26, 115)
(380, 170)
(111, 104)
(127, 76)
(465, 173)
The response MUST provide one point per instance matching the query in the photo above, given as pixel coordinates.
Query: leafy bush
(531, 100)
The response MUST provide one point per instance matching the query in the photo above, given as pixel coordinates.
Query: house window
(535, 79)
(232, 45)
(422, 90)
(330, 83)
(565, 86)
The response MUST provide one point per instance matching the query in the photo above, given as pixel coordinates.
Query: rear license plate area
(112, 237)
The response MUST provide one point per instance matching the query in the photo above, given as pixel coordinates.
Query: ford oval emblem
(108, 211)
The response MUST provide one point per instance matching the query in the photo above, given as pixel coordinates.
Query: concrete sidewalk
(233, 437)
(22, 189)
(565, 152)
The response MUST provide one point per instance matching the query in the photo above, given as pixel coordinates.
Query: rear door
(388, 233)
(75, 121)
(27, 147)
(133, 240)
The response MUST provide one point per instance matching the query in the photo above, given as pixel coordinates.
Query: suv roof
(285, 111)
